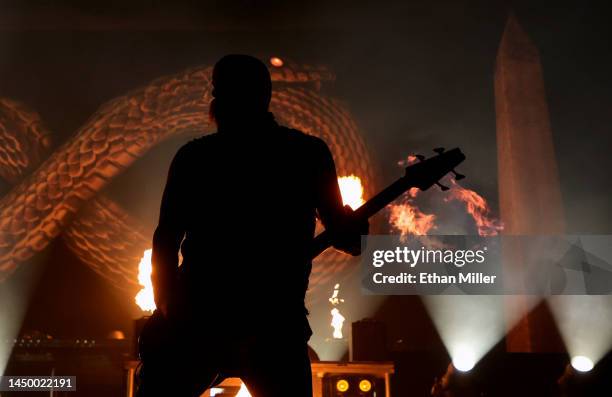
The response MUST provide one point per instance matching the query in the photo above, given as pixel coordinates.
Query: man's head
(242, 89)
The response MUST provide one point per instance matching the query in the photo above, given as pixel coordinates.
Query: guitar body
(176, 360)
(156, 336)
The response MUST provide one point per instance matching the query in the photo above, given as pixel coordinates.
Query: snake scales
(59, 192)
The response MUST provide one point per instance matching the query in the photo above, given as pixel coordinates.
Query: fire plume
(407, 219)
(337, 321)
(144, 298)
(477, 207)
(410, 159)
(351, 190)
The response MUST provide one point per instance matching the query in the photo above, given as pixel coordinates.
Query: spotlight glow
(582, 363)
(15, 295)
(342, 385)
(243, 392)
(365, 385)
(470, 325)
(584, 324)
(464, 359)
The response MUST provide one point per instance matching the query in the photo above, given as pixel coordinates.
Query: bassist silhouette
(241, 205)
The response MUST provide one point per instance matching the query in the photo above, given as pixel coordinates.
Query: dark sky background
(416, 75)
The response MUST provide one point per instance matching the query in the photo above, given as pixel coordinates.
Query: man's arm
(345, 231)
(169, 233)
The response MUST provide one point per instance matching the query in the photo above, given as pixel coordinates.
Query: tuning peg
(420, 157)
(442, 187)
(439, 150)
(458, 176)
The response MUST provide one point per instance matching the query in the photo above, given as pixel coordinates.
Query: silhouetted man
(241, 205)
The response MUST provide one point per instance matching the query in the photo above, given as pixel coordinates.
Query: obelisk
(529, 193)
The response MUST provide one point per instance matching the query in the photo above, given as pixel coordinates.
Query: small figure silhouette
(241, 204)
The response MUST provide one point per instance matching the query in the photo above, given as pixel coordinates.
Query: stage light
(276, 62)
(243, 392)
(365, 385)
(582, 363)
(228, 387)
(215, 391)
(342, 385)
(584, 324)
(470, 325)
(464, 359)
(352, 379)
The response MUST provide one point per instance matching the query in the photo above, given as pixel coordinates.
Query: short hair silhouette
(241, 87)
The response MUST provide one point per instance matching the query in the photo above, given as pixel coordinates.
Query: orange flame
(337, 323)
(337, 320)
(410, 159)
(477, 207)
(408, 219)
(144, 298)
(351, 190)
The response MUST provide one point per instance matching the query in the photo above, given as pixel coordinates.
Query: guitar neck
(322, 241)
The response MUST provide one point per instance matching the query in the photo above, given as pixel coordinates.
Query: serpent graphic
(59, 193)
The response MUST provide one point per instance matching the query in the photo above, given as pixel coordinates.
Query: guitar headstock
(428, 171)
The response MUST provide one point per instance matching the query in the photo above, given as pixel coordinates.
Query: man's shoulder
(293, 137)
(309, 141)
(195, 148)
(202, 140)
(200, 143)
